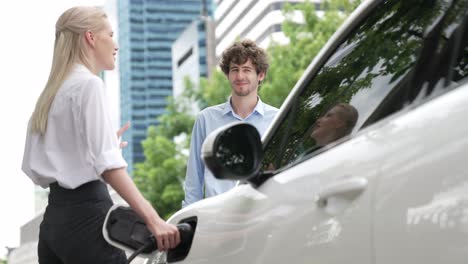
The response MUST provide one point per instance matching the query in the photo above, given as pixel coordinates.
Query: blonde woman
(72, 148)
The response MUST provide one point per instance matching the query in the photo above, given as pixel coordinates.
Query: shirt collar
(78, 67)
(259, 108)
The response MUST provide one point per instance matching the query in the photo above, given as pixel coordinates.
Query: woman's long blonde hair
(69, 49)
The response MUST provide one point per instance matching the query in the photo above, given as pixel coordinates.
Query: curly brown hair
(240, 52)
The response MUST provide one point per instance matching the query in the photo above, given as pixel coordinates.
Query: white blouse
(80, 142)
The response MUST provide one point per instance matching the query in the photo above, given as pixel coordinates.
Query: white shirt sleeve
(98, 133)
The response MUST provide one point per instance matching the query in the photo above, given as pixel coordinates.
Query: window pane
(460, 69)
(370, 73)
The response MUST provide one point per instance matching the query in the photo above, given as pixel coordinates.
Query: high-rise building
(190, 55)
(258, 20)
(147, 30)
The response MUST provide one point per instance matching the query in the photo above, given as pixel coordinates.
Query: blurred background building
(147, 30)
(190, 54)
(257, 20)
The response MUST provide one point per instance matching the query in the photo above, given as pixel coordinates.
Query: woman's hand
(167, 235)
(120, 132)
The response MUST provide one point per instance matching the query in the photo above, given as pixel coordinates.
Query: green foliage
(213, 91)
(288, 62)
(176, 119)
(160, 176)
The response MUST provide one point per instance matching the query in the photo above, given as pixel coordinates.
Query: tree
(213, 91)
(288, 62)
(161, 175)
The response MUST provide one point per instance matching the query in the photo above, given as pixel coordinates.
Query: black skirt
(71, 231)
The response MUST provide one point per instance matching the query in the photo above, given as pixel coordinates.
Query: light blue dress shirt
(198, 178)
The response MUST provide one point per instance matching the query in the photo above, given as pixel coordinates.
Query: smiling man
(245, 66)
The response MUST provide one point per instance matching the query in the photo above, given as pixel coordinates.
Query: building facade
(190, 56)
(258, 20)
(147, 30)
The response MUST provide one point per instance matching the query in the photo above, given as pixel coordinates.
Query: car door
(421, 206)
(319, 210)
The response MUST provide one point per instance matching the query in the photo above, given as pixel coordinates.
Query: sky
(26, 44)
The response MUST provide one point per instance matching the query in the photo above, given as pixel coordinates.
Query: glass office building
(147, 30)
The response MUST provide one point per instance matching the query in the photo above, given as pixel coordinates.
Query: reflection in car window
(459, 29)
(372, 72)
(460, 71)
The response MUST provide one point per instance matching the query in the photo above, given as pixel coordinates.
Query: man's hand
(120, 132)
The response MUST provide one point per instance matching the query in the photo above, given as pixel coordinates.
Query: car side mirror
(233, 151)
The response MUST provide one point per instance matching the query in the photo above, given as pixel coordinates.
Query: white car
(393, 188)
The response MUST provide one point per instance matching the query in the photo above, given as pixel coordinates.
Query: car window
(401, 53)
(459, 72)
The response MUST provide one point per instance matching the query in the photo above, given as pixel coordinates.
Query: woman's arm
(109, 163)
(167, 235)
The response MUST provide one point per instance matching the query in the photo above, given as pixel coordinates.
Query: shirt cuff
(108, 160)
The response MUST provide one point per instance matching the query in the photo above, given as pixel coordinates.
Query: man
(245, 66)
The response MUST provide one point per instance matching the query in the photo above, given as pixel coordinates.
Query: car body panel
(421, 206)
